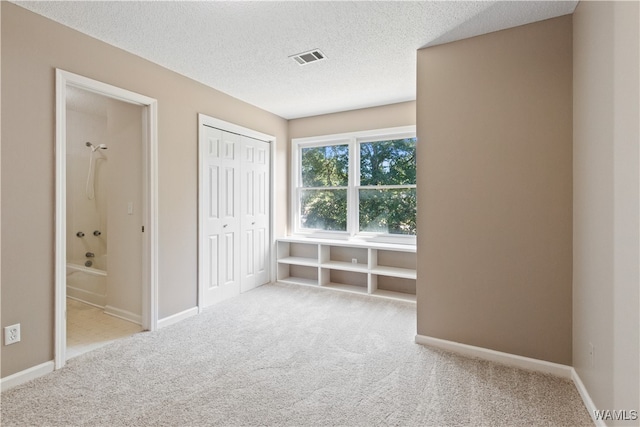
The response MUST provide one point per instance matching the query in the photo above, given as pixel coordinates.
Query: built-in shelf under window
(377, 269)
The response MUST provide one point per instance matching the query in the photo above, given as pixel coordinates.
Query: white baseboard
(26, 375)
(86, 297)
(528, 363)
(123, 314)
(47, 367)
(586, 399)
(175, 318)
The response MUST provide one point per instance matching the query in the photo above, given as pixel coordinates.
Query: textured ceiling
(242, 48)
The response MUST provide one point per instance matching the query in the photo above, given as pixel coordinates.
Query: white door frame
(66, 79)
(203, 119)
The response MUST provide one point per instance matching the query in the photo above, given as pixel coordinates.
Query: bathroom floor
(88, 328)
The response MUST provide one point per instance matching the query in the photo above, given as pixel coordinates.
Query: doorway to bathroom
(105, 214)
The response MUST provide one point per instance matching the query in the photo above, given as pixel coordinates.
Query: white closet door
(255, 209)
(220, 210)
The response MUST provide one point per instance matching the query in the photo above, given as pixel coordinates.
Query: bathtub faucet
(90, 255)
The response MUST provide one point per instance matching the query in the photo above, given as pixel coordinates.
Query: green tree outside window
(384, 193)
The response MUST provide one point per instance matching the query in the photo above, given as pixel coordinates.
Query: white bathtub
(88, 284)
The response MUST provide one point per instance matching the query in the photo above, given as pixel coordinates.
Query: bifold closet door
(221, 154)
(255, 209)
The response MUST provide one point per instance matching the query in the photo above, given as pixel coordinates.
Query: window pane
(390, 211)
(324, 209)
(388, 162)
(326, 166)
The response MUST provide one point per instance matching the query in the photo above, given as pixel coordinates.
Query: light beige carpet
(290, 356)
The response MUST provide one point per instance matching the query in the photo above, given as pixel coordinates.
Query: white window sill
(353, 242)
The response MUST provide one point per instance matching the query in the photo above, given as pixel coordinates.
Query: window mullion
(296, 183)
(354, 180)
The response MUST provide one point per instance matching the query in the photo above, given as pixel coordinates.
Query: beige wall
(1, 173)
(386, 116)
(494, 191)
(32, 47)
(606, 233)
(123, 235)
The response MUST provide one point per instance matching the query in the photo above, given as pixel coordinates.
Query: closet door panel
(255, 212)
(221, 222)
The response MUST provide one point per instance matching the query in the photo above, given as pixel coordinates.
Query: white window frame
(352, 139)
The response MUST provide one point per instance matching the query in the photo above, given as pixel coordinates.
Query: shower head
(94, 148)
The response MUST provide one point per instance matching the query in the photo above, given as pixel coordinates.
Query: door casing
(66, 79)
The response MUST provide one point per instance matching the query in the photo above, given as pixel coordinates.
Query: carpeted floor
(294, 356)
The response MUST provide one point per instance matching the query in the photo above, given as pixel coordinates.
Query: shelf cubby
(396, 284)
(378, 269)
(348, 279)
(298, 274)
(298, 253)
(344, 258)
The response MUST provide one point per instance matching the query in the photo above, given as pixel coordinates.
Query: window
(325, 181)
(387, 191)
(356, 185)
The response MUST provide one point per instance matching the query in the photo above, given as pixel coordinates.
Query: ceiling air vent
(308, 57)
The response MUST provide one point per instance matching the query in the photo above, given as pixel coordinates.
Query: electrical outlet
(354, 260)
(591, 355)
(12, 334)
